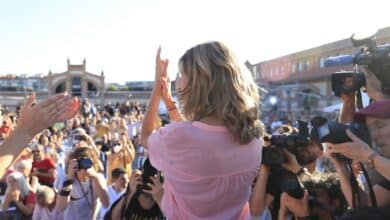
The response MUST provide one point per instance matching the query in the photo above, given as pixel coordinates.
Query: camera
(333, 132)
(84, 163)
(375, 58)
(147, 171)
(281, 180)
(347, 82)
(275, 155)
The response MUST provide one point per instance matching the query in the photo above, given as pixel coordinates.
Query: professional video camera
(335, 133)
(374, 58)
(274, 155)
(280, 179)
(347, 82)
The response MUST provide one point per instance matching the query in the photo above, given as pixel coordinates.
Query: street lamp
(273, 100)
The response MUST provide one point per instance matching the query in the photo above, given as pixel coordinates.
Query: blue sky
(121, 37)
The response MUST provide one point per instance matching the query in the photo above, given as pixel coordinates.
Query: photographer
(33, 119)
(142, 199)
(85, 188)
(322, 200)
(80, 138)
(377, 119)
(269, 185)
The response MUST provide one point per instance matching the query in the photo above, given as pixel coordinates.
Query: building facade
(300, 81)
(76, 80)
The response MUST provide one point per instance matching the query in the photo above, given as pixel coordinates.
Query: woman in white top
(85, 188)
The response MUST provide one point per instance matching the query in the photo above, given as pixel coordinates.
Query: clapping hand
(36, 117)
(161, 71)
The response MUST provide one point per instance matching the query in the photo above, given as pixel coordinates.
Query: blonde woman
(210, 159)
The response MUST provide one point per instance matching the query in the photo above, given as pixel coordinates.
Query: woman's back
(208, 174)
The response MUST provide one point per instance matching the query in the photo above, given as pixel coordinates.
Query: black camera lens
(273, 156)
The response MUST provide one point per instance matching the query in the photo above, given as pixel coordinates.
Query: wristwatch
(64, 193)
(370, 159)
(67, 182)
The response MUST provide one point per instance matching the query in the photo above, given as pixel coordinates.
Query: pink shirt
(208, 175)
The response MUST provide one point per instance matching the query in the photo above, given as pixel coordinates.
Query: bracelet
(370, 159)
(64, 192)
(67, 182)
(172, 108)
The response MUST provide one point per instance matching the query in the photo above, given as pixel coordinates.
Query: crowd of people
(211, 157)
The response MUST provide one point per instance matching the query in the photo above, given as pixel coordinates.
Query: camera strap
(370, 189)
(84, 194)
(354, 187)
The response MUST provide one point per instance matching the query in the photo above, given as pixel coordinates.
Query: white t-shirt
(113, 195)
(82, 201)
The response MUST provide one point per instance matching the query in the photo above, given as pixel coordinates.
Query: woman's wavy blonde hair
(217, 87)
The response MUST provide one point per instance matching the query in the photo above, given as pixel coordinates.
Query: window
(293, 68)
(300, 67)
(322, 62)
(306, 65)
(76, 86)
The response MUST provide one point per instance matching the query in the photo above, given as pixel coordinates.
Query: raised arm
(99, 186)
(149, 124)
(33, 119)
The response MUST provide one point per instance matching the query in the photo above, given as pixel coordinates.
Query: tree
(112, 88)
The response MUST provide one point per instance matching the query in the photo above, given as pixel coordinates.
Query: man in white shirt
(120, 180)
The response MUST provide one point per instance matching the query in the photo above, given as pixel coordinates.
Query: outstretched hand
(36, 117)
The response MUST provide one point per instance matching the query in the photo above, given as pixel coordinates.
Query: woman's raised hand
(36, 117)
(161, 70)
